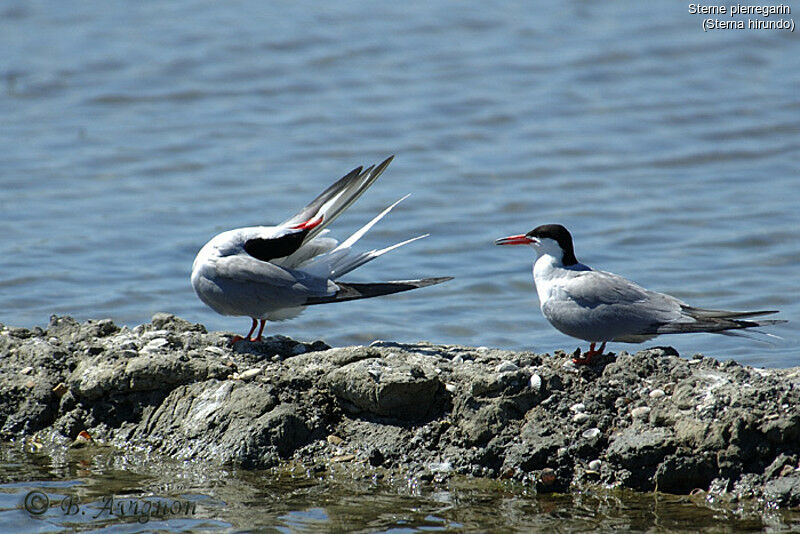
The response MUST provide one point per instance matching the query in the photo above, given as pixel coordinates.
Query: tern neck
(568, 256)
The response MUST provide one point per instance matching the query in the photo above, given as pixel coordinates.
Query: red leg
(589, 354)
(236, 339)
(260, 330)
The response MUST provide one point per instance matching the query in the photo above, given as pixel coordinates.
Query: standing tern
(599, 307)
(273, 272)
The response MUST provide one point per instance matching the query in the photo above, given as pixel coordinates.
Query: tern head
(549, 239)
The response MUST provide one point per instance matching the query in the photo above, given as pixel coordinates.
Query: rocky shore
(647, 421)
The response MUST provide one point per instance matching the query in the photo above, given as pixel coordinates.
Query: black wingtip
(425, 282)
(382, 166)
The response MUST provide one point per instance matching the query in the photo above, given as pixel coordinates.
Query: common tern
(599, 307)
(273, 272)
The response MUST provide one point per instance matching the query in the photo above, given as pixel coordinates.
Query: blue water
(131, 133)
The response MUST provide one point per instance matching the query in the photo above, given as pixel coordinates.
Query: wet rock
(783, 491)
(633, 447)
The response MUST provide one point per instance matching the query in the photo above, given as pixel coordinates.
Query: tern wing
(337, 198)
(601, 306)
(262, 277)
(629, 312)
(717, 321)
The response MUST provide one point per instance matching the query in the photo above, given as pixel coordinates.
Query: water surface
(134, 133)
(82, 486)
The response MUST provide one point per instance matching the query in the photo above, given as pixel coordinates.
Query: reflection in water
(79, 485)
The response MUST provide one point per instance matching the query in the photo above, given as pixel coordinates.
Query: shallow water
(86, 489)
(132, 134)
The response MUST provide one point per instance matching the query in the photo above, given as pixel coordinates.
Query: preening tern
(273, 272)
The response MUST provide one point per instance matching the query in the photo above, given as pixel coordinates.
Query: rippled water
(133, 133)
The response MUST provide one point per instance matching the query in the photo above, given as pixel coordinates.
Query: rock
(535, 383)
(506, 367)
(249, 374)
(784, 491)
(577, 408)
(418, 410)
(393, 387)
(591, 433)
(640, 452)
(580, 418)
(333, 439)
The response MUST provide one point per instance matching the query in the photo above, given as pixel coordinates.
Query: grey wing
(610, 307)
(247, 286)
(265, 274)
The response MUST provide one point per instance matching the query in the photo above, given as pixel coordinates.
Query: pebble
(127, 345)
(155, 344)
(333, 439)
(595, 465)
(506, 367)
(641, 412)
(536, 383)
(450, 387)
(657, 394)
(578, 407)
(591, 433)
(60, 389)
(215, 350)
(344, 458)
(26, 370)
(155, 334)
(580, 418)
(249, 374)
(458, 360)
